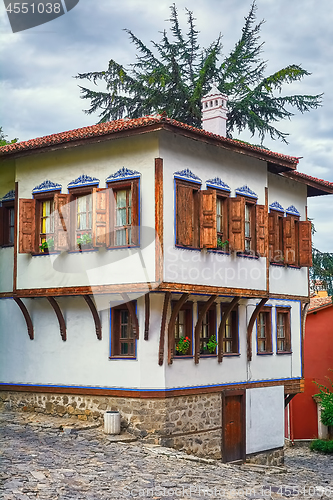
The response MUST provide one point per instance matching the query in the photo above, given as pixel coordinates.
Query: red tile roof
(313, 179)
(107, 128)
(319, 302)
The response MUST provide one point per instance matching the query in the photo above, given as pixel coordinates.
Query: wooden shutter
(61, 222)
(27, 226)
(184, 215)
(261, 230)
(237, 224)
(289, 240)
(272, 230)
(135, 212)
(100, 221)
(2, 225)
(305, 246)
(208, 235)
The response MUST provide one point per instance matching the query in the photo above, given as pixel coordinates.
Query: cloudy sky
(39, 95)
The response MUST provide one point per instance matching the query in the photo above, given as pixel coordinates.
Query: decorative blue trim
(217, 183)
(276, 206)
(123, 173)
(166, 389)
(292, 210)
(187, 175)
(10, 196)
(46, 186)
(246, 191)
(83, 180)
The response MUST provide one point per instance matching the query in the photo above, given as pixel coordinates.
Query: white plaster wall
(207, 161)
(287, 192)
(82, 360)
(6, 269)
(100, 161)
(264, 418)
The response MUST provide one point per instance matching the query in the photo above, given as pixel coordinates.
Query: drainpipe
(291, 423)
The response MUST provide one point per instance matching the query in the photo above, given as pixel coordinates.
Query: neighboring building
(122, 239)
(303, 412)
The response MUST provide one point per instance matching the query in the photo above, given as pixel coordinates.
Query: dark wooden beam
(171, 327)
(131, 309)
(97, 319)
(288, 398)
(198, 326)
(162, 332)
(250, 327)
(221, 329)
(147, 316)
(61, 320)
(26, 317)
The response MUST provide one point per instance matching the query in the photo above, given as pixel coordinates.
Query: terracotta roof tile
(310, 178)
(319, 302)
(102, 129)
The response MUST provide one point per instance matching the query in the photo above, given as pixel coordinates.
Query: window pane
(121, 237)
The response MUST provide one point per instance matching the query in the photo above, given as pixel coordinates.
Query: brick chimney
(214, 112)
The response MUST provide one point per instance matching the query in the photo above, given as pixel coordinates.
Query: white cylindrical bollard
(112, 422)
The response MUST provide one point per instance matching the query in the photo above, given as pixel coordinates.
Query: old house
(161, 270)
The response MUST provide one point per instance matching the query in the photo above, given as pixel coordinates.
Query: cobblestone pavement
(49, 458)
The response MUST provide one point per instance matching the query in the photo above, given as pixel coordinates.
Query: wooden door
(233, 425)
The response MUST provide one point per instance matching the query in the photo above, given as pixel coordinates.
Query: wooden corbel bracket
(97, 319)
(162, 332)
(171, 327)
(198, 326)
(224, 320)
(61, 320)
(27, 317)
(253, 318)
(131, 309)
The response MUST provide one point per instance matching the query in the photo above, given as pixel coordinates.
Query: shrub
(322, 445)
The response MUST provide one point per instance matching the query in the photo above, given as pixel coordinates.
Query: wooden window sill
(284, 352)
(185, 356)
(132, 358)
(188, 248)
(265, 353)
(247, 255)
(231, 354)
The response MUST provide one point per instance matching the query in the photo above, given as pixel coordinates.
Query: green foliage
(47, 245)
(321, 272)
(212, 344)
(322, 445)
(84, 239)
(3, 141)
(176, 73)
(183, 345)
(325, 396)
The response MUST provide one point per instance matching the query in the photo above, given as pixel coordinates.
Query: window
(264, 332)
(283, 343)
(230, 334)
(183, 330)
(196, 216)
(222, 222)
(124, 213)
(208, 330)
(122, 334)
(83, 226)
(247, 226)
(46, 224)
(7, 218)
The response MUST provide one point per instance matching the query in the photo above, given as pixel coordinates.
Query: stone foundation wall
(269, 457)
(188, 423)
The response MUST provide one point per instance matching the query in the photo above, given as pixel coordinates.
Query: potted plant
(47, 245)
(222, 245)
(183, 345)
(84, 241)
(212, 344)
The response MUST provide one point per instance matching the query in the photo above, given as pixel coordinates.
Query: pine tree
(176, 73)
(321, 272)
